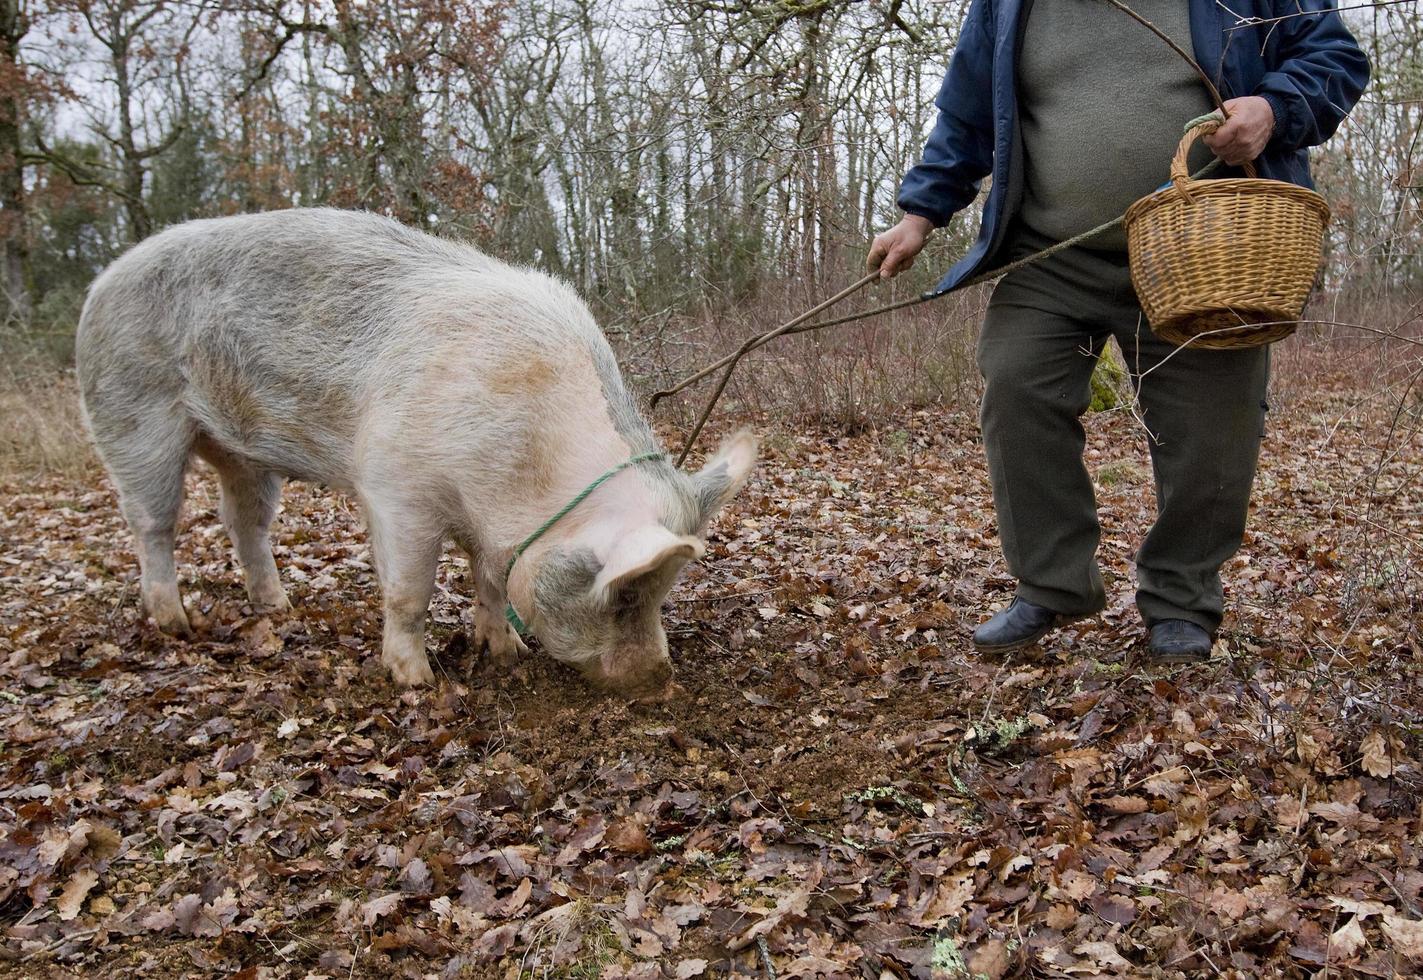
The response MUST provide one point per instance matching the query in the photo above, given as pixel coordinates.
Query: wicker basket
(1233, 259)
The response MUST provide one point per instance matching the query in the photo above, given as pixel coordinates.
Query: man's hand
(893, 251)
(1245, 133)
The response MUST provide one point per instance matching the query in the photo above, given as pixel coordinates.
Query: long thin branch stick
(761, 339)
(740, 352)
(796, 325)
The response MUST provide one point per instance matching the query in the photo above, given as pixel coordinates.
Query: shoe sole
(1028, 641)
(1177, 659)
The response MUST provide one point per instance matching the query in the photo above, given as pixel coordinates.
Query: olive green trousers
(1203, 411)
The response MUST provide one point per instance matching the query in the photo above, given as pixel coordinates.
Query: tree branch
(292, 29)
(79, 174)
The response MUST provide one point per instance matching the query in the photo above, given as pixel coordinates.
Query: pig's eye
(627, 600)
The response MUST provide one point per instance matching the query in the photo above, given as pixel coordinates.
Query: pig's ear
(648, 551)
(724, 474)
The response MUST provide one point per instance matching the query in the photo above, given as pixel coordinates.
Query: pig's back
(305, 290)
(278, 331)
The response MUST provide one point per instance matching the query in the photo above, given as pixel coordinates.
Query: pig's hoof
(410, 671)
(494, 633)
(270, 601)
(171, 619)
(505, 644)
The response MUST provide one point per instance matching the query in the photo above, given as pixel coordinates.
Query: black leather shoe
(1176, 641)
(1021, 625)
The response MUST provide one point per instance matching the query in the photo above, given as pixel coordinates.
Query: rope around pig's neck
(510, 613)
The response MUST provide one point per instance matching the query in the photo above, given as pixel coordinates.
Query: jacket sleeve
(959, 152)
(1317, 74)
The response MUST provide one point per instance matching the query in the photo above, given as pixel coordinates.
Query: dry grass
(856, 375)
(1331, 344)
(41, 427)
(853, 375)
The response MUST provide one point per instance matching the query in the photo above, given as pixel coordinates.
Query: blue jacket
(1310, 69)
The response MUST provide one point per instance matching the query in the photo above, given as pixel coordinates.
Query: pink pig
(456, 397)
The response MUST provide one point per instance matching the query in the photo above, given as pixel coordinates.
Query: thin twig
(1408, 906)
(799, 326)
(60, 941)
(783, 331)
(726, 595)
(1245, 23)
(765, 950)
(1249, 327)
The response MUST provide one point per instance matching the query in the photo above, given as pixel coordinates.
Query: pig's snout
(637, 679)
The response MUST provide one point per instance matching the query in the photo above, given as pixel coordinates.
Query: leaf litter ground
(845, 789)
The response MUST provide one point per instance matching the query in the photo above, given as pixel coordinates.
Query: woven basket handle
(1180, 175)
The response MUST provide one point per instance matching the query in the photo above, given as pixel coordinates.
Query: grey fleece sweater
(1102, 102)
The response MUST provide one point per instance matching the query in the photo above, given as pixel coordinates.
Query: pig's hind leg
(147, 455)
(407, 554)
(250, 497)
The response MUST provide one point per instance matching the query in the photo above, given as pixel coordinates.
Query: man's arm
(959, 151)
(1318, 76)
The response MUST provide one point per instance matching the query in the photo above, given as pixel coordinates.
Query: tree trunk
(140, 225)
(14, 261)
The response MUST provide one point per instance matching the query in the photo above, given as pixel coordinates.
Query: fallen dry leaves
(845, 791)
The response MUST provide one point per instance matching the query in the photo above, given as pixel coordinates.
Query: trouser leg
(1204, 411)
(1036, 352)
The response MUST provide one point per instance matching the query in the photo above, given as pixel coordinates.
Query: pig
(455, 397)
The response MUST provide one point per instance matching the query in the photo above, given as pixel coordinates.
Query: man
(1075, 110)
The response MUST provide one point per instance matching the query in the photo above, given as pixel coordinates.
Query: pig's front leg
(491, 629)
(490, 625)
(407, 554)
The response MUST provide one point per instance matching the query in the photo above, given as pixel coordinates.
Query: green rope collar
(509, 612)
